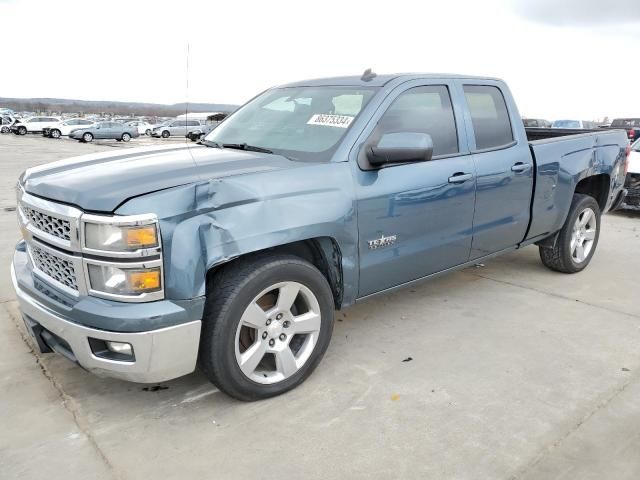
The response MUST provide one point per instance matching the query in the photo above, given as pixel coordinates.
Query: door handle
(460, 177)
(521, 167)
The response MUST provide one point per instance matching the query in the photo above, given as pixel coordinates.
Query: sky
(561, 58)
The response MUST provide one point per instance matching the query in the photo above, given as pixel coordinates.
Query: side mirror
(401, 147)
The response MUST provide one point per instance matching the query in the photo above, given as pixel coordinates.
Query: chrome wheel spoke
(306, 323)
(285, 362)
(590, 235)
(585, 217)
(254, 316)
(251, 357)
(579, 252)
(287, 294)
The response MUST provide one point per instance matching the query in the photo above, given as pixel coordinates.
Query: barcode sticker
(340, 121)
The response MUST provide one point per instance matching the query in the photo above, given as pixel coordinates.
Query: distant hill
(62, 105)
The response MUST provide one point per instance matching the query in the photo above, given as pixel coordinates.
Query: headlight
(120, 238)
(124, 281)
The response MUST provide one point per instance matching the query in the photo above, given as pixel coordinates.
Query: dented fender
(208, 223)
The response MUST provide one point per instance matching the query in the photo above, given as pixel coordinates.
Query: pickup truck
(233, 255)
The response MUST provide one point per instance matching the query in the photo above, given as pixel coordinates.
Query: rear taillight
(626, 159)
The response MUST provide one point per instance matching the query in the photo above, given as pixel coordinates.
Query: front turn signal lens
(145, 280)
(141, 237)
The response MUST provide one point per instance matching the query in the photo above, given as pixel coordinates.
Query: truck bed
(537, 133)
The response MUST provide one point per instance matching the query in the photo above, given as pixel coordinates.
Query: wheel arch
(596, 186)
(322, 252)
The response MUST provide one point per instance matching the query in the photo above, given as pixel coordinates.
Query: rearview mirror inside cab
(401, 147)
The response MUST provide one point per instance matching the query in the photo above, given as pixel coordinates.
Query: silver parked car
(105, 130)
(178, 128)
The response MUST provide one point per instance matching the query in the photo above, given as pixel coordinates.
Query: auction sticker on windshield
(340, 121)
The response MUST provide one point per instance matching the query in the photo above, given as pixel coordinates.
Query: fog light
(120, 347)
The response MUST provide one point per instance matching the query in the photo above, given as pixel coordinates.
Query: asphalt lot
(517, 372)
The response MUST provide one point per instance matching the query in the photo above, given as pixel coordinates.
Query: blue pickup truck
(233, 255)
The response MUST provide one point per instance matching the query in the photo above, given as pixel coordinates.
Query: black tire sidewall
(230, 377)
(579, 203)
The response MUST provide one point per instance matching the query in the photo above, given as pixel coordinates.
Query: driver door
(421, 211)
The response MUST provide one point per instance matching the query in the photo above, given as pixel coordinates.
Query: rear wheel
(147, 132)
(577, 241)
(126, 137)
(4, 129)
(55, 133)
(87, 137)
(268, 321)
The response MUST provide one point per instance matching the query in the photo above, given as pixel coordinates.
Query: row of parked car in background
(193, 126)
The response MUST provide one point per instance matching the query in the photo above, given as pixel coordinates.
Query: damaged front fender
(208, 223)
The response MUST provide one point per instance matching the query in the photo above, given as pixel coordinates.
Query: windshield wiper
(237, 146)
(247, 147)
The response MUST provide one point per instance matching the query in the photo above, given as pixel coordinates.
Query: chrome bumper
(160, 355)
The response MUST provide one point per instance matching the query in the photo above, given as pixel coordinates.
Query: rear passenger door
(503, 164)
(423, 211)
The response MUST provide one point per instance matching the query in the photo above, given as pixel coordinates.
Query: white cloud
(136, 51)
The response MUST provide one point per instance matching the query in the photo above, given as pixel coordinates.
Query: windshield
(566, 124)
(303, 123)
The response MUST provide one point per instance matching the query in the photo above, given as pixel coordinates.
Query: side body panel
(561, 163)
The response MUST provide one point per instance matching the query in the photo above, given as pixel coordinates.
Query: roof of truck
(378, 80)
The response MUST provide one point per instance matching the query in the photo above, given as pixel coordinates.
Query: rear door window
(427, 110)
(490, 117)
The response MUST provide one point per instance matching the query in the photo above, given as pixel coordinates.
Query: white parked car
(33, 124)
(61, 129)
(632, 184)
(143, 127)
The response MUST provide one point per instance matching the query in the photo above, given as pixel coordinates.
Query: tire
(55, 133)
(147, 132)
(234, 294)
(165, 134)
(4, 130)
(22, 130)
(577, 240)
(87, 137)
(125, 137)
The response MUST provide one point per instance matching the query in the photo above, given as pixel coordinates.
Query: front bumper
(159, 355)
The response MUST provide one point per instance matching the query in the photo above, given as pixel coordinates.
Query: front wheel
(165, 134)
(147, 132)
(577, 241)
(22, 130)
(87, 138)
(267, 323)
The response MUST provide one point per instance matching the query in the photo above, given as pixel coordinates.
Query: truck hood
(101, 182)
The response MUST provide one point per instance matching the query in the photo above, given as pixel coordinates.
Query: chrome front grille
(60, 269)
(58, 227)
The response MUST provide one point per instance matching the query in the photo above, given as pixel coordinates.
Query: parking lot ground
(500, 371)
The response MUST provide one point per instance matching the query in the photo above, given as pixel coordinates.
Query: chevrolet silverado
(233, 255)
